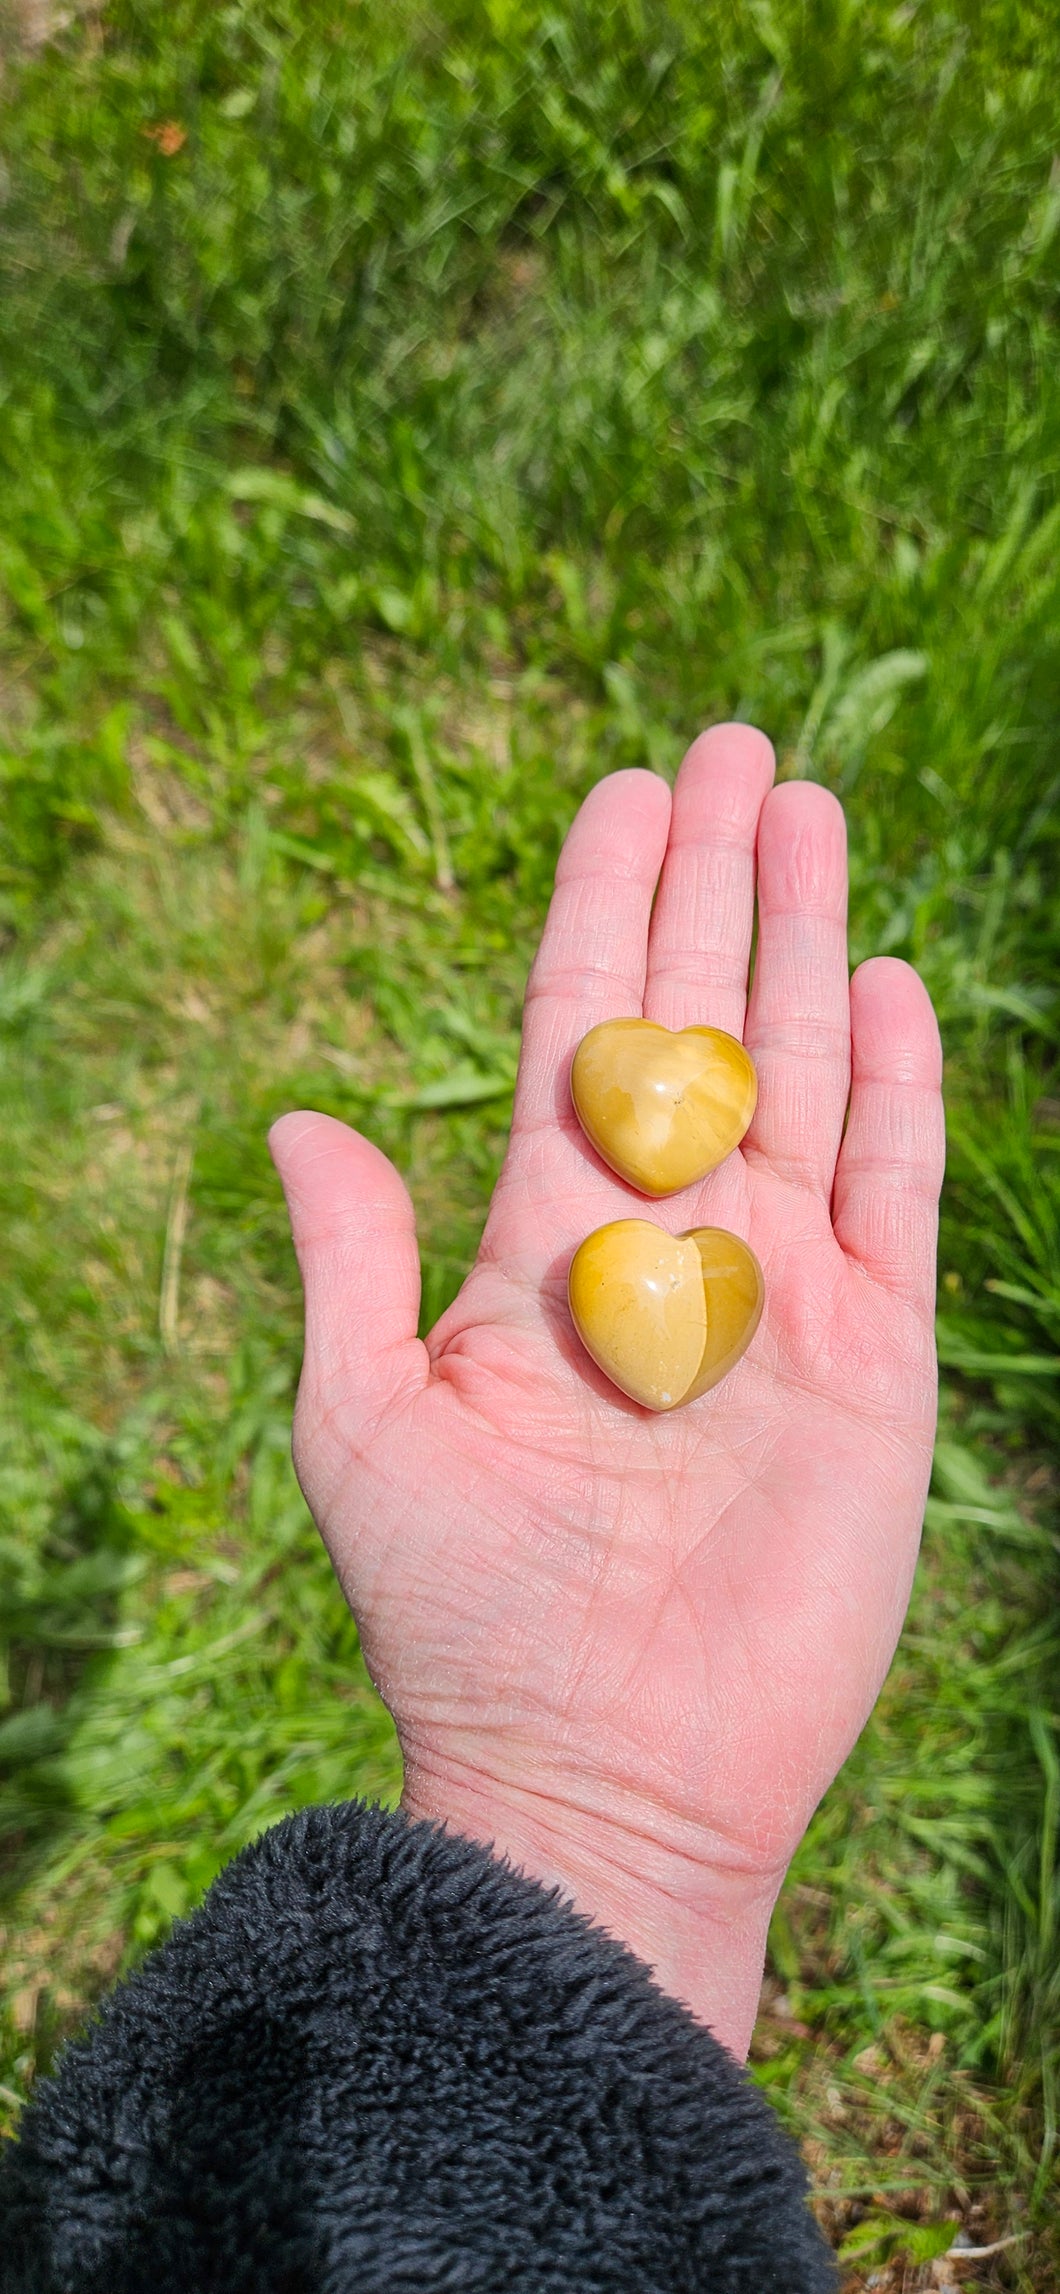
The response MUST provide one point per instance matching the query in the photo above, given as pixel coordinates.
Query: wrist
(690, 1908)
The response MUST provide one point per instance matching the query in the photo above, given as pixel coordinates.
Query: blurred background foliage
(408, 414)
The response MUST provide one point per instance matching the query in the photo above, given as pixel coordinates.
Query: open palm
(631, 1651)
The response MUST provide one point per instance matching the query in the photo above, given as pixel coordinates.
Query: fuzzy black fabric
(377, 2059)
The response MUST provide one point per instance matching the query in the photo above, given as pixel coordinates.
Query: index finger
(591, 962)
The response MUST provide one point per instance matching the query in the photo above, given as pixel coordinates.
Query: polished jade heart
(664, 1316)
(662, 1108)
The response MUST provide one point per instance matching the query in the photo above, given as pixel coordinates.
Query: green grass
(469, 401)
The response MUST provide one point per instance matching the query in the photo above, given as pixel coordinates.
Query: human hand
(631, 1651)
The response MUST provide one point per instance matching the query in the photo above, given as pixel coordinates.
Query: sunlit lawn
(407, 417)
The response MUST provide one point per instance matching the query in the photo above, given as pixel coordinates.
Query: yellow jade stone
(662, 1107)
(664, 1316)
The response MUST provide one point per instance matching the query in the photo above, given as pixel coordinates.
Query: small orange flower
(168, 135)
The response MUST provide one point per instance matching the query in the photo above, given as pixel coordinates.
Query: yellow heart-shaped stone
(664, 1316)
(662, 1108)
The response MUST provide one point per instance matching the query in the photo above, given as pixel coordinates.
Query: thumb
(354, 1233)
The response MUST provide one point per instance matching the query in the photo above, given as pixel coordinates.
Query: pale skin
(631, 1651)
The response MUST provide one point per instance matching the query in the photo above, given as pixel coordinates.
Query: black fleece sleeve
(377, 2059)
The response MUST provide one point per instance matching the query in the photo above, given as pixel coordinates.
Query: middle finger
(700, 941)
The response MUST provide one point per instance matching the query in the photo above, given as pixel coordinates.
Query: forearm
(681, 1904)
(377, 2058)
